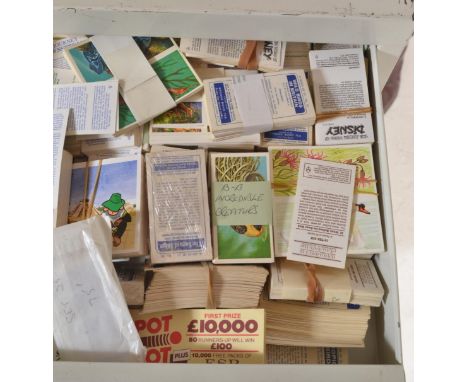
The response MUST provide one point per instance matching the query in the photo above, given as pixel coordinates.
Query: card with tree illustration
(366, 236)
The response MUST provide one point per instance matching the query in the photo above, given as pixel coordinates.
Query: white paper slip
(252, 102)
(93, 106)
(138, 81)
(322, 213)
(339, 80)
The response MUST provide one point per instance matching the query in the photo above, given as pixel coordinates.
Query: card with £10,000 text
(222, 336)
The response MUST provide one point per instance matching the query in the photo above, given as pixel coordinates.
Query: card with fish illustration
(172, 68)
(88, 66)
(112, 188)
(241, 208)
(366, 237)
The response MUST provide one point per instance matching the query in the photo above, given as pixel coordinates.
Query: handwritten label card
(238, 203)
(322, 213)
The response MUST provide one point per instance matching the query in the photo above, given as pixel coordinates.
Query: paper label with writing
(241, 203)
(322, 213)
(218, 336)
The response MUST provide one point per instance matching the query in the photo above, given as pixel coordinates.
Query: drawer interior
(383, 342)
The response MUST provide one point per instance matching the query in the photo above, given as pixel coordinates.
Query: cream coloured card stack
(365, 282)
(178, 286)
(358, 284)
(178, 206)
(291, 280)
(250, 104)
(301, 355)
(269, 54)
(237, 286)
(340, 89)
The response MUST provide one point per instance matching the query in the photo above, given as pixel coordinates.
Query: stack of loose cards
(178, 206)
(358, 284)
(366, 236)
(241, 208)
(292, 280)
(177, 287)
(113, 188)
(187, 123)
(318, 325)
(297, 56)
(295, 136)
(132, 281)
(62, 168)
(116, 146)
(365, 282)
(257, 103)
(237, 286)
(163, 59)
(301, 355)
(268, 55)
(340, 90)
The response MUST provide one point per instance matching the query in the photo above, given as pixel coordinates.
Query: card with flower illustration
(366, 237)
(112, 188)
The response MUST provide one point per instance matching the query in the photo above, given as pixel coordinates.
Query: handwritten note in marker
(236, 203)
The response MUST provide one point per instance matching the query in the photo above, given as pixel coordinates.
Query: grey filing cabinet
(383, 27)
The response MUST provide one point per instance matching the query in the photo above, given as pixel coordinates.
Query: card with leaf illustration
(366, 236)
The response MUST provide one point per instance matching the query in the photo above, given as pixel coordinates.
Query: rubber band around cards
(314, 287)
(248, 58)
(340, 113)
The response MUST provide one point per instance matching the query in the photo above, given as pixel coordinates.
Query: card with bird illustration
(366, 228)
(242, 243)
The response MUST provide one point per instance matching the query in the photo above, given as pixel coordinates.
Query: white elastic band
(252, 103)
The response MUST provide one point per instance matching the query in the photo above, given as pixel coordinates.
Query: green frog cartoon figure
(114, 208)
